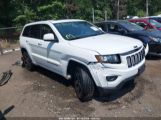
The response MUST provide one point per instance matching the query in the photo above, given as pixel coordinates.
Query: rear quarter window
(102, 26)
(26, 32)
(142, 24)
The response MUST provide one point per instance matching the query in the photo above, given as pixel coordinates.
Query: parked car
(80, 51)
(147, 23)
(150, 38)
(156, 18)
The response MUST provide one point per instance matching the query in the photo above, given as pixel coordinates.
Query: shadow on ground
(53, 76)
(128, 87)
(6, 111)
(114, 95)
(153, 57)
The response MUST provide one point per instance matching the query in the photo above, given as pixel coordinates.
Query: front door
(52, 50)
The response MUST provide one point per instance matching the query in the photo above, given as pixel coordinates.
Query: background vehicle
(150, 37)
(156, 18)
(78, 50)
(147, 23)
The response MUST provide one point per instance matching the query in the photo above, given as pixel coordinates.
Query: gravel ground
(42, 93)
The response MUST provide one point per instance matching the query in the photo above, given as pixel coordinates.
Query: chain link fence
(9, 38)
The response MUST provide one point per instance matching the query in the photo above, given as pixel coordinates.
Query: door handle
(39, 44)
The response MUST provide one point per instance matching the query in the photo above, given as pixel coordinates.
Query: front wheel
(83, 84)
(27, 62)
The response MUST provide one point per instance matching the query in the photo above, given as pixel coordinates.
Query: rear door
(35, 43)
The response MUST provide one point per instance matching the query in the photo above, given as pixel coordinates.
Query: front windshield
(131, 26)
(155, 23)
(75, 30)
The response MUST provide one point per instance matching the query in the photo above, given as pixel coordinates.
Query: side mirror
(49, 37)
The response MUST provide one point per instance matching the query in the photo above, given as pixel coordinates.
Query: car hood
(107, 44)
(150, 32)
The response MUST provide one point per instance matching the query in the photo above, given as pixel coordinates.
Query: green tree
(26, 16)
(120, 9)
(6, 13)
(20, 12)
(55, 10)
(140, 13)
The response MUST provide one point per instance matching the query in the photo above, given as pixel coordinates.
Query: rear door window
(102, 26)
(35, 31)
(113, 28)
(142, 24)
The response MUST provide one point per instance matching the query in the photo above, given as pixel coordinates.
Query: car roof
(140, 19)
(66, 20)
(111, 21)
(54, 21)
(154, 17)
(159, 17)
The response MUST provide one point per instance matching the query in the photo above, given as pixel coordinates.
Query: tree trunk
(1, 49)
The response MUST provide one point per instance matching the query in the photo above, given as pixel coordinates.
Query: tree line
(20, 12)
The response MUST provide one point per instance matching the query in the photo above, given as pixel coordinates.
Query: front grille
(135, 58)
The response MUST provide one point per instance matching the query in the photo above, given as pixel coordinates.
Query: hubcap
(78, 86)
(25, 59)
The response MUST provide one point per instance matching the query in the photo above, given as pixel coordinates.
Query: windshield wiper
(86, 36)
(77, 38)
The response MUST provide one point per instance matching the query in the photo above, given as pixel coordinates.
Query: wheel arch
(25, 50)
(70, 68)
(73, 63)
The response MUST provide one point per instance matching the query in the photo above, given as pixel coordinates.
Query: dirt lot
(42, 93)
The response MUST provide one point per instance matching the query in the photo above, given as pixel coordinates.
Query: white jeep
(80, 51)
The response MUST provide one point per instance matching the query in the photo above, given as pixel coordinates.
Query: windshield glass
(131, 26)
(155, 23)
(76, 30)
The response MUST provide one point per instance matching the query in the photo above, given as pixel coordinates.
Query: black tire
(83, 84)
(27, 62)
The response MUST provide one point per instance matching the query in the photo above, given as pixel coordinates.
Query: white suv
(79, 51)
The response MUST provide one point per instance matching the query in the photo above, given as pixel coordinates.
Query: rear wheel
(27, 62)
(83, 84)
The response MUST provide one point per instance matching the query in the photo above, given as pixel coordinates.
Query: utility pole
(93, 15)
(118, 9)
(147, 8)
(1, 49)
(105, 15)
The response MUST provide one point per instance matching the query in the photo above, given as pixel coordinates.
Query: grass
(7, 45)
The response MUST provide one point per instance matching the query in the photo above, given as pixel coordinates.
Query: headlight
(112, 59)
(155, 39)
